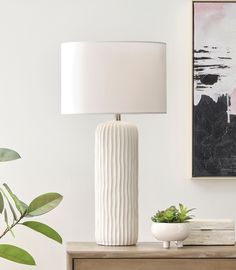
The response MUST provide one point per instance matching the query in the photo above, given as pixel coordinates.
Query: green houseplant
(171, 224)
(173, 215)
(15, 212)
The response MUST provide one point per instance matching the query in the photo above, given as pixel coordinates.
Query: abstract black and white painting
(214, 89)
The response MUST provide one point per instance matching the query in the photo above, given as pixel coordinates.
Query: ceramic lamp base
(116, 184)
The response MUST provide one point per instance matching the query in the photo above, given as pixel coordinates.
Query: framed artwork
(214, 89)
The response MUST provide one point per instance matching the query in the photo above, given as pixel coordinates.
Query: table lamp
(114, 78)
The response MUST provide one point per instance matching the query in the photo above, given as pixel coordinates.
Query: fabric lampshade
(113, 77)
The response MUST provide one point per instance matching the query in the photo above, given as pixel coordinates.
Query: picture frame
(214, 89)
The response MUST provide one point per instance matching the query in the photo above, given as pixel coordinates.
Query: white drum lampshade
(114, 78)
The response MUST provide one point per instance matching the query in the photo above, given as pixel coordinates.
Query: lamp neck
(118, 117)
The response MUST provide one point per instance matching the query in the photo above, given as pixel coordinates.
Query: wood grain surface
(148, 250)
(149, 256)
(155, 264)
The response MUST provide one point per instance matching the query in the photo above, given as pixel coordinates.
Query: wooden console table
(149, 256)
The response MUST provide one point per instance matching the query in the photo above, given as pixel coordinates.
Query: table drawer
(154, 264)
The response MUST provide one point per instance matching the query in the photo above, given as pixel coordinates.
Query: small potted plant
(172, 224)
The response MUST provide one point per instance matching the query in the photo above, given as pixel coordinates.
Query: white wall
(57, 151)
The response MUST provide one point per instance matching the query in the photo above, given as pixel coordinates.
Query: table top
(147, 250)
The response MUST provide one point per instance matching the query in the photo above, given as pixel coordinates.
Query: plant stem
(9, 228)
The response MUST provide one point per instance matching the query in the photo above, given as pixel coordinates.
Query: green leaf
(8, 154)
(24, 205)
(10, 205)
(6, 221)
(21, 207)
(16, 254)
(189, 210)
(181, 207)
(1, 203)
(12, 210)
(44, 229)
(43, 204)
(6, 217)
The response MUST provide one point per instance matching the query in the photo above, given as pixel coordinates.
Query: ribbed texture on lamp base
(116, 184)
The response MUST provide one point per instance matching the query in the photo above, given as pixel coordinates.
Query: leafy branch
(19, 211)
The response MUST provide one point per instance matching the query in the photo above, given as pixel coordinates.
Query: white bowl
(167, 232)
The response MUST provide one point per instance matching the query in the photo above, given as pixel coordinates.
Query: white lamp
(114, 77)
